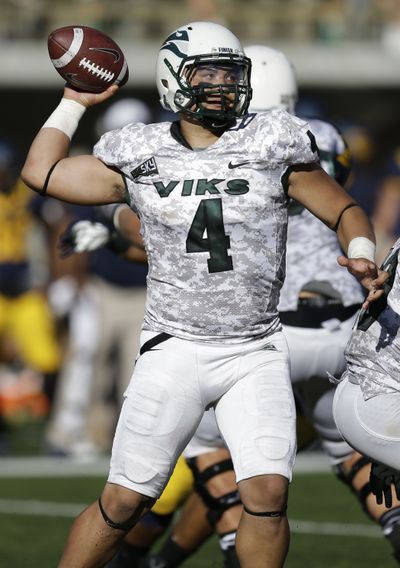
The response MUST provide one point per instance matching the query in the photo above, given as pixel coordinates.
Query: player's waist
(312, 312)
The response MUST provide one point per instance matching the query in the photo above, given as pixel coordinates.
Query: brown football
(87, 58)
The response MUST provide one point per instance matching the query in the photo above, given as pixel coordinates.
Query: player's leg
(96, 533)
(153, 524)
(67, 429)
(215, 483)
(33, 329)
(159, 415)
(366, 424)
(257, 419)
(188, 533)
(315, 397)
(212, 506)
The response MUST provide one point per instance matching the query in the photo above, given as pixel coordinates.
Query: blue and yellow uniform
(24, 313)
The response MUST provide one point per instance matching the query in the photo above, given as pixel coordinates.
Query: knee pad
(216, 505)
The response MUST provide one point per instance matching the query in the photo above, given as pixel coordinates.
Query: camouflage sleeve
(293, 142)
(115, 147)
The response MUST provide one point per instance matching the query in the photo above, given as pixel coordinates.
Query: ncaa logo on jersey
(148, 168)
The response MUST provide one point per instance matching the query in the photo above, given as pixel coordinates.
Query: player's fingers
(343, 261)
(397, 489)
(373, 295)
(388, 495)
(381, 279)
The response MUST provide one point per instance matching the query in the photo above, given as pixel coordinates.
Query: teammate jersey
(313, 248)
(373, 352)
(213, 221)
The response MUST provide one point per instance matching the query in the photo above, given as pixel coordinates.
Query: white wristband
(361, 247)
(117, 214)
(66, 117)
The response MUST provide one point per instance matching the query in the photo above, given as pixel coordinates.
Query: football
(87, 58)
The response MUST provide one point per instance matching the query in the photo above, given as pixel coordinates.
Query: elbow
(31, 178)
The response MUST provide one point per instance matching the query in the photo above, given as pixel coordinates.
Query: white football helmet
(272, 78)
(202, 44)
(121, 113)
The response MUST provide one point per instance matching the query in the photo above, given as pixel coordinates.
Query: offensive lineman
(366, 402)
(319, 302)
(214, 232)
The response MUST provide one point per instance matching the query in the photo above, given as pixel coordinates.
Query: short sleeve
(118, 147)
(288, 142)
(296, 142)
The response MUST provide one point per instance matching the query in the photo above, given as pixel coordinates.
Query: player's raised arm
(79, 179)
(93, 65)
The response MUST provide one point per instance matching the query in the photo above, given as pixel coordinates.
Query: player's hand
(382, 479)
(369, 275)
(89, 99)
(83, 236)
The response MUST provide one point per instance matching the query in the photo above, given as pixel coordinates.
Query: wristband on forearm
(361, 247)
(115, 218)
(66, 117)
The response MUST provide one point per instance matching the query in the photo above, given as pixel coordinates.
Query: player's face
(208, 76)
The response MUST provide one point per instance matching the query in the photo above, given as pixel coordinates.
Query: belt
(311, 313)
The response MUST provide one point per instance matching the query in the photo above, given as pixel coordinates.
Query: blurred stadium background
(346, 52)
(347, 57)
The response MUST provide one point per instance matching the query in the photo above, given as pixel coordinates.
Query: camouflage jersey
(373, 352)
(313, 248)
(213, 221)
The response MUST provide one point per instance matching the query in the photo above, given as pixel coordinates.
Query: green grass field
(328, 528)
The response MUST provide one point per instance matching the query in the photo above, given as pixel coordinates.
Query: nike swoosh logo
(232, 166)
(109, 50)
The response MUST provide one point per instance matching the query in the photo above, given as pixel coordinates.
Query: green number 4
(209, 220)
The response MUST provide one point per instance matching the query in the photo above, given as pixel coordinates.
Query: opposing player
(212, 200)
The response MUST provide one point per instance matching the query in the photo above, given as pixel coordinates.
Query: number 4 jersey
(213, 221)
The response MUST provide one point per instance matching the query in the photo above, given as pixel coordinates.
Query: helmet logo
(222, 50)
(172, 43)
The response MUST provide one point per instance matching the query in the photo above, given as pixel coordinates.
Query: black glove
(382, 478)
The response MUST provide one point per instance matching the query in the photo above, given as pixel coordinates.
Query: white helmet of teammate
(202, 44)
(121, 113)
(273, 79)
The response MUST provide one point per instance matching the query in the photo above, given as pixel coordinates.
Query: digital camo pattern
(373, 355)
(213, 222)
(313, 248)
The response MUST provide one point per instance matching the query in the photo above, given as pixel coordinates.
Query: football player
(366, 402)
(25, 315)
(211, 191)
(319, 302)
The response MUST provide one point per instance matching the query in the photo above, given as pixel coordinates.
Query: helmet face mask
(203, 73)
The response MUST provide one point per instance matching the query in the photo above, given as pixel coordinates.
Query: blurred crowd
(69, 326)
(299, 20)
